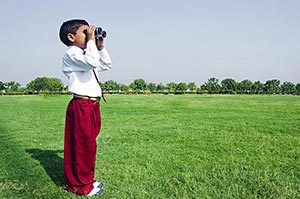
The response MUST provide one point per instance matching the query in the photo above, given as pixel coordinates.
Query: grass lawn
(159, 146)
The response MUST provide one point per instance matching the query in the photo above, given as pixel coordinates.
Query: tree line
(211, 86)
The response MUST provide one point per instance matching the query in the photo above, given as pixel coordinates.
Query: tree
(181, 88)
(152, 87)
(229, 86)
(245, 86)
(2, 86)
(37, 84)
(110, 86)
(12, 86)
(272, 86)
(192, 86)
(160, 87)
(123, 87)
(138, 85)
(171, 87)
(211, 86)
(257, 87)
(298, 89)
(45, 84)
(288, 88)
(54, 84)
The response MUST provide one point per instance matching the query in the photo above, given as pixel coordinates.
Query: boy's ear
(71, 37)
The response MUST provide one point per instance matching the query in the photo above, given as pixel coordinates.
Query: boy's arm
(104, 55)
(76, 60)
(92, 59)
(100, 43)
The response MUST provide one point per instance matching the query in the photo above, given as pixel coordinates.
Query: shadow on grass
(52, 163)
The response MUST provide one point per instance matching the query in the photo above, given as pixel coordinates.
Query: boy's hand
(91, 33)
(100, 43)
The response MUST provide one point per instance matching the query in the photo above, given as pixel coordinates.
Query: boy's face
(79, 39)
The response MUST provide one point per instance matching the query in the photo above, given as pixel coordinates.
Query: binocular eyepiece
(99, 33)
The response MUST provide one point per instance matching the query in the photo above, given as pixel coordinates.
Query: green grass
(159, 146)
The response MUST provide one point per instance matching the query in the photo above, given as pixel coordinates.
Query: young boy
(82, 60)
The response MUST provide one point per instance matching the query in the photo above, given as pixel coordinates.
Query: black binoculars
(99, 33)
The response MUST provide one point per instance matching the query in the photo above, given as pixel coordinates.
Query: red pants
(83, 123)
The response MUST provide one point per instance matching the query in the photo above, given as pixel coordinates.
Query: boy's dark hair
(70, 26)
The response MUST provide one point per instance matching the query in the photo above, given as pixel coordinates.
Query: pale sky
(158, 40)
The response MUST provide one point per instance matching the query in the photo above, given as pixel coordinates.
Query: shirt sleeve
(76, 60)
(104, 60)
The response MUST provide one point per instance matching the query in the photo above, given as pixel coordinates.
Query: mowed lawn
(159, 146)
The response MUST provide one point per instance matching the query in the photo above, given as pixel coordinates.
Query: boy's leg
(83, 123)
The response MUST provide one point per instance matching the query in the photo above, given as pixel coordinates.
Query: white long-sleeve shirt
(78, 67)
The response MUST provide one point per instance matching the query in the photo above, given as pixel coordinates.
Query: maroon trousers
(83, 123)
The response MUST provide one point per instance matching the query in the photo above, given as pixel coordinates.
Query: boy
(81, 63)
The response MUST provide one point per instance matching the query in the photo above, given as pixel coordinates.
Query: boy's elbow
(106, 66)
(109, 66)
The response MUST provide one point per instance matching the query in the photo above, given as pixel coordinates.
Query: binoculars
(99, 33)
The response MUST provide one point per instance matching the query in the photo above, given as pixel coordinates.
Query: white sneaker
(95, 192)
(98, 185)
